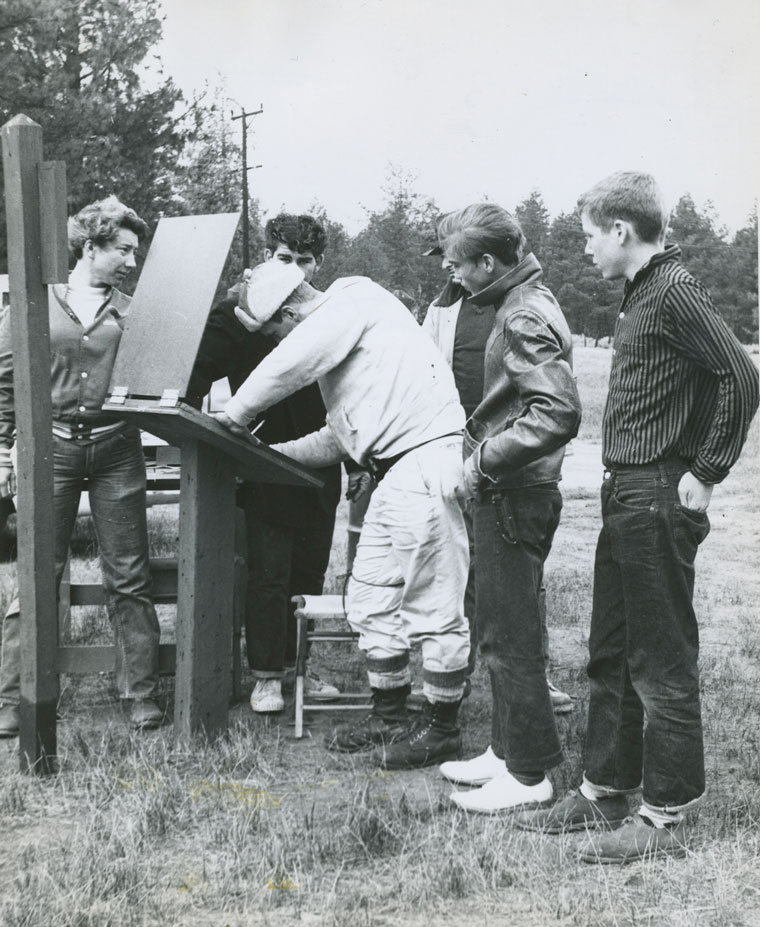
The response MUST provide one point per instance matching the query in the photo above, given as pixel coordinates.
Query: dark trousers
(283, 560)
(470, 595)
(514, 530)
(471, 602)
(644, 713)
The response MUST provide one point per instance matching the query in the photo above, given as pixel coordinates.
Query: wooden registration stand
(149, 382)
(150, 378)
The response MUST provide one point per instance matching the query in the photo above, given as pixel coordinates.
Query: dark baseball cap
(433, 252)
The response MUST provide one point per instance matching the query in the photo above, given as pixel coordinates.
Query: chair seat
(318, 607)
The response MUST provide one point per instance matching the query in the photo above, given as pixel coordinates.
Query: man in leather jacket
(514, 447)
(461, 329)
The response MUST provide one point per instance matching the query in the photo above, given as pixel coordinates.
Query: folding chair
(320, 608)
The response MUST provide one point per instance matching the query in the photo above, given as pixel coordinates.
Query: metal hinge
(119, 395)
(169, 397)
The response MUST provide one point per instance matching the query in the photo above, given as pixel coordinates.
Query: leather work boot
(8, 720)
(386, 723)
(433, 738)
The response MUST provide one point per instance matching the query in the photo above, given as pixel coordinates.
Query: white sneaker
(267, 696)
(477, 771)
(504, 793)
(318, 689)
(562, 703)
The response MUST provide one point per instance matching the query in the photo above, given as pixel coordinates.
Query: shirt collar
(671, 254)
(111, 303)
(526, 271)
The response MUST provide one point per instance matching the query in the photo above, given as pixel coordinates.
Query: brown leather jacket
(530, 407)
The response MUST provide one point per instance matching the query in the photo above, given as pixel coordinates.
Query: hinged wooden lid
(171, 305)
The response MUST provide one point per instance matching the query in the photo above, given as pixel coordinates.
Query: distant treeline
(166, 156)
(391, 248)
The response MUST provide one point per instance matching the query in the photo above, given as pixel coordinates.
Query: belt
(665, 467)
(379, 466)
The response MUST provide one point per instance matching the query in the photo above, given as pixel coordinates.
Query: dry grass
(257, 828)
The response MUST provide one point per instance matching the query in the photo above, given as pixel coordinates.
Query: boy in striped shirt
(681, 398)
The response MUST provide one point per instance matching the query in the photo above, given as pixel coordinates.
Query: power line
(243, 116)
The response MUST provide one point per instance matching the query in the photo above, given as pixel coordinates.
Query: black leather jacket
(530, 407)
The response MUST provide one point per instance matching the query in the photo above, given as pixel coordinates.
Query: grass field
(257, 828)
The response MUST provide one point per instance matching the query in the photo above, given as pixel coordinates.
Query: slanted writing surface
(171, 304)
(251, 461)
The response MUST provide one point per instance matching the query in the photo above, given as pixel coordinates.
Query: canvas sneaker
(504, 793)
(477, 771)
(267, 696)
(317, 689)
(313, 687)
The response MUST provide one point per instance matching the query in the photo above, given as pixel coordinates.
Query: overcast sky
(482, 97)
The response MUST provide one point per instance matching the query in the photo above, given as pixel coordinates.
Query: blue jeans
(644, 713)
(514, 529)
(114, 471)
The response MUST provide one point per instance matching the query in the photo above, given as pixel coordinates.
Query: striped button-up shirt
(680, 384)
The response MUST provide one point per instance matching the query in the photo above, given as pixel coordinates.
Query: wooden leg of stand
(205, 591)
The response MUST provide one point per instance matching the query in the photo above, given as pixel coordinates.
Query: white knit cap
(266, 289)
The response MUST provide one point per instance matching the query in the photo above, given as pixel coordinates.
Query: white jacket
(385, 385)
(441, 324)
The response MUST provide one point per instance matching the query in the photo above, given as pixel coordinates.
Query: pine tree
(77, 67)
(391, 248)
(533, 217)
(588, 301)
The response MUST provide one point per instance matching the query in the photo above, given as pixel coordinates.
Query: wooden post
(22, 157)
(205, 588)
(55, 251)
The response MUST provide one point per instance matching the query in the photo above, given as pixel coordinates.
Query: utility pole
(243, 116)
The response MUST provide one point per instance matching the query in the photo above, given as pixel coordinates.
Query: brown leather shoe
(575, 812)
(636, 839)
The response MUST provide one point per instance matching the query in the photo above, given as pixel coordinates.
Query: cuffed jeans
(514, 529)
(283, 560)
(114, 470)
(644, 712)
(410, 573)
